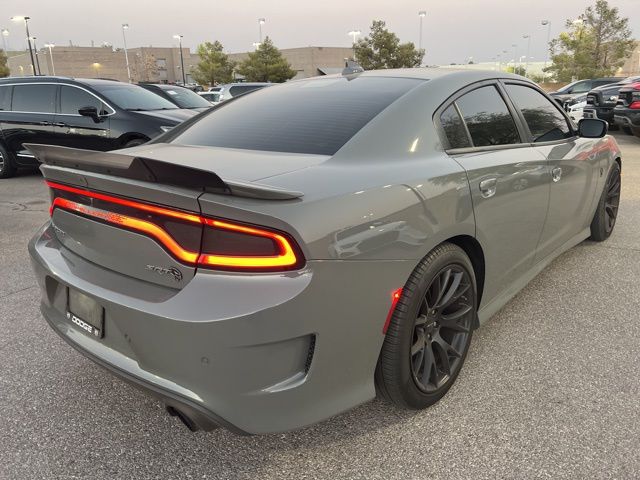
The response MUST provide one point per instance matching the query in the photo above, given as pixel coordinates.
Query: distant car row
(92, 114)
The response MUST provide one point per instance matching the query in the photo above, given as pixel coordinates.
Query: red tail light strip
(148, 228)
(286, 256)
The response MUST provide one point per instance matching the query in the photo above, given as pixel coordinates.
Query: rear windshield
(310, 116)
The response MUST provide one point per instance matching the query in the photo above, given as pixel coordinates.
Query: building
(159, 64)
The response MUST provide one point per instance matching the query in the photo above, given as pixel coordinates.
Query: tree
(595, 45)
(4, 69)
(266, 64)
(518, 70)
(214, 66)
(382, 49)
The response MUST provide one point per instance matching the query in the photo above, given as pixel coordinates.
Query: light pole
(260, 23)
(50, 46)
(125, 26)
(354, 35)
(26, 26)
(421, 14)
(546, 56)
(184, 78)
(35, 49)
(5, 34)
(526, 67)
(515, 56)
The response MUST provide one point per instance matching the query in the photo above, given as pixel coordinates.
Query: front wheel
(607, 212)
(430, 330)
(627, 130)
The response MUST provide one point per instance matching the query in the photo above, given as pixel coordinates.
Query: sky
(453, 30)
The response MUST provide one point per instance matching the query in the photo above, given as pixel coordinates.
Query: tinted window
(185, 98)
(582, 87)
(454, 128)
(240, 89)
(34, 98)
(545, 121)
(132, 97)
(487, 118)
(311, 116)
(5, 98)
(73, 99)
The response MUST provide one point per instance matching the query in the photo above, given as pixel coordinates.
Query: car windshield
(185, 98)
(308, 116)
(134, 98)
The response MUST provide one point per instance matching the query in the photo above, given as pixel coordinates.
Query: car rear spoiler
(149, 170)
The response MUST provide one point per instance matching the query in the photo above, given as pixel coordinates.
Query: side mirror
(91, 112)
(592, 128)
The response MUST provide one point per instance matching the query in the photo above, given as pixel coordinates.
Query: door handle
(488, 187)
(60, 125)
(556, 174)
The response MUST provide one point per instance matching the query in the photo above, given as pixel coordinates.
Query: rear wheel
(134, 142)
(627, 130)
(7, 168)
(430, 330)
(605, 217)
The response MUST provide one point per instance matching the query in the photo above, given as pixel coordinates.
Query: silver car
(298, 251)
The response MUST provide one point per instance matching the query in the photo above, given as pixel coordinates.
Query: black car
(82, 113)
(626, 114)
(580, 87)
(602, 100)
(180, 96)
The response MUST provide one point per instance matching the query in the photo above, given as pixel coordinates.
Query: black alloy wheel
(442, 328)
(604, 220)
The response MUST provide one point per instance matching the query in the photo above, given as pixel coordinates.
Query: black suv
(81, 113)
(626, 114)
(602, 100)
(180, 96)
(580, 87)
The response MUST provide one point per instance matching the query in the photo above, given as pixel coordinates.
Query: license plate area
(85, 313)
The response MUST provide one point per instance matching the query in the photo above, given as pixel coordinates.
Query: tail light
(635, 105)
(190, 238)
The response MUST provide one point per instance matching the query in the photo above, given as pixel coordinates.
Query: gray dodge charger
(295, 252)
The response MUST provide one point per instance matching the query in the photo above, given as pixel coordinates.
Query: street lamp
(256, 45)
(26, 26)
(546, 23)
(35, 49)
(5, 34)
(125, 26)
(50, 46)
(260, 23)
(354, 35)
(97, 66)
(184, 78)
(421, 14)
(526, 67)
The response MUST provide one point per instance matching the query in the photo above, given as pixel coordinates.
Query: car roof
(59, 79)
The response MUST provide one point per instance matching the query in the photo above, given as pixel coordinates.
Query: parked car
(602, 100)
(180, 96)
(231, 90)
(575, 107)
(311, 244)
(580, 87)
(83, 113)
(211, 97)
(626, 114)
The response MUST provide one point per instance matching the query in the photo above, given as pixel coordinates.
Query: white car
(575, 107)
(212, 97)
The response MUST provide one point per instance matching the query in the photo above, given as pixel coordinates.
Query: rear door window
(34, 98)
(546, 123)
(487, 118)
(308, 116)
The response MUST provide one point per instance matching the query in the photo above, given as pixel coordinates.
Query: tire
(420, 317)
(7, 167)
(604, 220)
(627, 130)
(134, 142)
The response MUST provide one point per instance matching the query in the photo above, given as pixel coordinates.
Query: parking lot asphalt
(550, 389)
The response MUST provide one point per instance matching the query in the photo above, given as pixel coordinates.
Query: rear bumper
(603, 113)
(252, 353)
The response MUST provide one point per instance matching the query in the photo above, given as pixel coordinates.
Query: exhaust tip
(190, 424)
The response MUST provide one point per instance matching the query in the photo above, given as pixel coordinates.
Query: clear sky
(453, 30)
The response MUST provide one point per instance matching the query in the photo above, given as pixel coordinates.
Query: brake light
(635, 105)
(190, 238)
(395, 298)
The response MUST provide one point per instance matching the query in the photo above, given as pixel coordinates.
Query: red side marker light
(395, 297)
